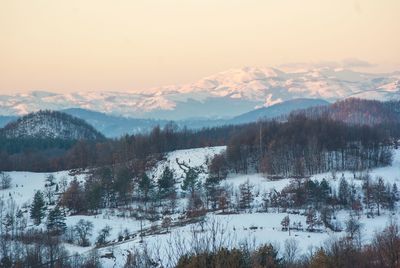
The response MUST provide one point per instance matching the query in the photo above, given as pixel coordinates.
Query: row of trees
(46, 155)
(296, 147)
(302, 146)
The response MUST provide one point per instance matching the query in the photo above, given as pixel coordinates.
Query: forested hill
(50, 125)
(357, 112)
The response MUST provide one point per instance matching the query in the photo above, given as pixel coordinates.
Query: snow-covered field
(251, 227)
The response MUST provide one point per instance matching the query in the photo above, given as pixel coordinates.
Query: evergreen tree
(246, 195)
(212, 190)
(20, 221)
(56, 221)
(368, 194)
(312, 220)
(8, 223)
(123, 184)
(380, 195)
(395, 192)
(37, 211)
(145, 186)
(311, 191)
(103, 235)
(191, 183)
(344, 192)
(93, 192)
(166, 184)
(324, 190)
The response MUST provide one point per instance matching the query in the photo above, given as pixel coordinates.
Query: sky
(78, 45)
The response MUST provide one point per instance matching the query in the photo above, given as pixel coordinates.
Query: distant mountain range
(116, 126)
(77, 123)
(223, 96)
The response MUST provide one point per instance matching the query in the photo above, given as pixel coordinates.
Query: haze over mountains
(223, 95)
(232, 97)
(116, 126)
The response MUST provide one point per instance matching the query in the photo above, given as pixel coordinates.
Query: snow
(256, 84)
(197, 157)
(25, 184)
(49, 125)
(236, 226)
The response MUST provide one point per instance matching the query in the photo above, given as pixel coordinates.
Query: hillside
(5, 119)
(260, 223)
(277, 110)
(50, 125)
(357, 111)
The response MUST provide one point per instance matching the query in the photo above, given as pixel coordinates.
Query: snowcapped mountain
(223, 95)
(50, 124)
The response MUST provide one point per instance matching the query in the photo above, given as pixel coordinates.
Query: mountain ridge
(213, 97)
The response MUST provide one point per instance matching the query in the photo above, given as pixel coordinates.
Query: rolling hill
(50, 125)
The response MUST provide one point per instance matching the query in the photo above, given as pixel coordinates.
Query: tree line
(303, 146)
(298, 145)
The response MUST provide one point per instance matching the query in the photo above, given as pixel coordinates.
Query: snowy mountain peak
(224, 94)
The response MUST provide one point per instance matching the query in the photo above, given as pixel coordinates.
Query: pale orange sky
(74, 45)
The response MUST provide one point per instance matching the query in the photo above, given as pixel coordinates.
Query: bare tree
(291, 247)
(84, 230)
(5, 180)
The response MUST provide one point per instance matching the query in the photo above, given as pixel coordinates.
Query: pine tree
(103, 235)
(368, 194)
(166, 184)
(20, 221)
(246, 195)
(8, 223)
(312, 220)
(212, 190)
(145, 186)
(37, 211)
(395, 192)
(324, 190)
(191, 183)
(56, 221)
(380, 195)
(344, 192)
(122, 184)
